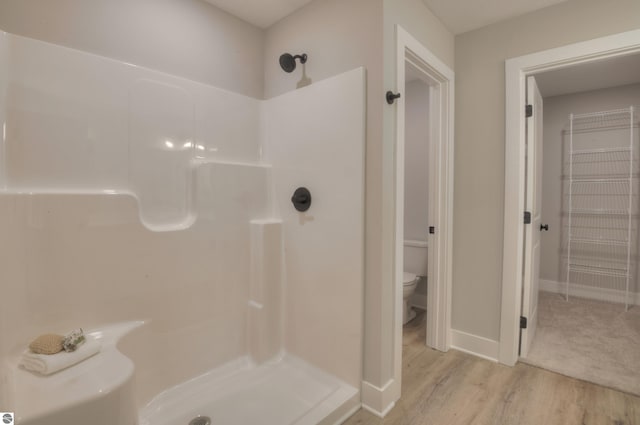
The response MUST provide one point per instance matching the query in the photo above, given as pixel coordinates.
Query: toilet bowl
(409, 283)
(415, 267)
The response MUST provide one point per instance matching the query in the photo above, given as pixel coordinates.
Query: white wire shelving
(600, 202)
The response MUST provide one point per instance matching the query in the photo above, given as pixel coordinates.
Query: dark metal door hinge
(527, 217)
(528, 111)
(432, 230)
(523, 322)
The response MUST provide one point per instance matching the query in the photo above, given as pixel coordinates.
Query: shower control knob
(301, 199)
(544, 227)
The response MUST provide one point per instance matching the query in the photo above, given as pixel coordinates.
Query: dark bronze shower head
(288, 62)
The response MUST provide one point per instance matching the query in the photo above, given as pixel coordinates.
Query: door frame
(441, 109)
(516, 71)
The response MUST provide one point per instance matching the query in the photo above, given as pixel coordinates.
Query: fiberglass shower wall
(315, 138)
(84, 248)
(601, 233)
(135, 195)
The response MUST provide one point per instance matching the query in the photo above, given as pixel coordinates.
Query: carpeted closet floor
(590, 340)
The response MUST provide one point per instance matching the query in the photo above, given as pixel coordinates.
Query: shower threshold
(286, 392)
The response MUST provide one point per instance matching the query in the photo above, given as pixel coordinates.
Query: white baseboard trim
(379, 414)
(590, 292)
(476, 345)
(376, 400)
(419, 301)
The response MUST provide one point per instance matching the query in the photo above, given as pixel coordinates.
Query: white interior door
(533, 205)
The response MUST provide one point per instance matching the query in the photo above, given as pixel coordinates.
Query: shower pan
(129, 196)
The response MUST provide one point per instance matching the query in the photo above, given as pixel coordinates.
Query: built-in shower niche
(132, 195)
(161, 146)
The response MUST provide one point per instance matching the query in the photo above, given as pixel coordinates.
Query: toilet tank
(415, 257)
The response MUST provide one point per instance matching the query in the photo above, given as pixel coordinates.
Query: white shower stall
(155, 213)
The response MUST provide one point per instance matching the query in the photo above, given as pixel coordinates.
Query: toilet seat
(408, 278)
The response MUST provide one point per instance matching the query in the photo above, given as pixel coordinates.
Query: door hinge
(527, 217)
(432, 230)
(523, 322)
(528, 111)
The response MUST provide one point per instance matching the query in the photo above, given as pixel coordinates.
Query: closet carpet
(586, 339)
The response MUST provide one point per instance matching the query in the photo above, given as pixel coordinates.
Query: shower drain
(200, 420)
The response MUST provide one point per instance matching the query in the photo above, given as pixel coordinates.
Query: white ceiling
(457, 15)
(261, 13)
(465, 15)
(590, 76)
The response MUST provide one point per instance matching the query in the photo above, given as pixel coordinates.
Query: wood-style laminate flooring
(456, 388)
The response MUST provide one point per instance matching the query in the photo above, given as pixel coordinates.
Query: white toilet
(415, 268)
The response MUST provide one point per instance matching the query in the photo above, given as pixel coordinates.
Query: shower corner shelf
(101, 383)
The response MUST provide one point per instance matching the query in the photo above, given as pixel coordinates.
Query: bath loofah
(47, 344)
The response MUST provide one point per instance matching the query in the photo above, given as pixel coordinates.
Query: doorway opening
(570, 285)
(416, 217)
(423, 196)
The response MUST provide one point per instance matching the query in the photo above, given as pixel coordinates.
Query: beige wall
(422, 24)
(189, 38)
(480, 141)
(556, 119)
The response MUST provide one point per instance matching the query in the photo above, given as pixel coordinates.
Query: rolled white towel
(47, 364)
